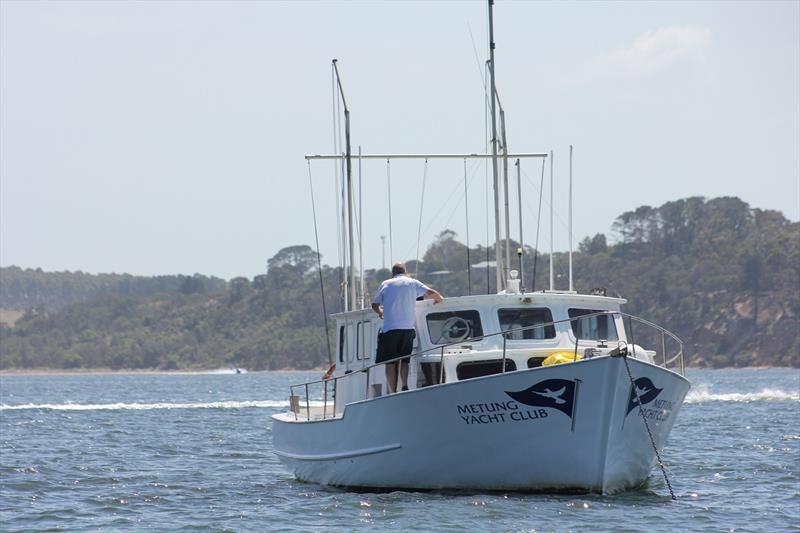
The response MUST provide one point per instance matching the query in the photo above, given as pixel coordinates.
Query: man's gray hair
(398, 268)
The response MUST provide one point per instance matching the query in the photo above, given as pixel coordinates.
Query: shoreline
(228, 371)
(139, 372)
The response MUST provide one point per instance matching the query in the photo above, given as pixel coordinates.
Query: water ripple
(193, 453)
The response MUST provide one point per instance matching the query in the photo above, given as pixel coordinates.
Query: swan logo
(643, 389)
(555, 393)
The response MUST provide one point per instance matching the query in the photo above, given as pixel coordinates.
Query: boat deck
(311, 413)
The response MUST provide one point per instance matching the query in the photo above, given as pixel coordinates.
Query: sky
(169, 137)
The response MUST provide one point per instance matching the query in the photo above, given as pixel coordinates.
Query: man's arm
(433, 294)
(378, 309)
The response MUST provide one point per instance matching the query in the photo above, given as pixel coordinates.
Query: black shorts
(395, 343)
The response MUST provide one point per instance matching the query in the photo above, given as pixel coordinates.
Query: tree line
(723, 276)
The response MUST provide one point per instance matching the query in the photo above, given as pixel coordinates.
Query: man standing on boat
(394, 302)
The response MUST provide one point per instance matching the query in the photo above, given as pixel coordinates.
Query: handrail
(441, 348)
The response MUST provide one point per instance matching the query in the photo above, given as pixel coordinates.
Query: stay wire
(421, 204)
(319, 267)
(538, 224)
(453, 195)
(389, 189)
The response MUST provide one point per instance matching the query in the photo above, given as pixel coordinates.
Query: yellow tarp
(561, 357)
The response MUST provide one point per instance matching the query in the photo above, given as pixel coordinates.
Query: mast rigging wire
(538, 223)
(319, 267)
(453, 196)
(421, 204)
(389, 189)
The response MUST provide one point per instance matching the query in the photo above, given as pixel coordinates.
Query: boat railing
(323, 392)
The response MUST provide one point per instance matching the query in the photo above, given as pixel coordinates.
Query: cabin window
(595, 328)
(526, 317)
(363, 340)
(476, 369)
(454, 326)
(341, 344)
(535, 362)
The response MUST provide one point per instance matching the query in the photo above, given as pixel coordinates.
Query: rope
(319, 267)
(641, 412)
(421, 204)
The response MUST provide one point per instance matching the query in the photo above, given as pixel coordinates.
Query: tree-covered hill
(723, 276)
(33, 289)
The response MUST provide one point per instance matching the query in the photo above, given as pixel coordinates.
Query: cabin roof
(528, 298)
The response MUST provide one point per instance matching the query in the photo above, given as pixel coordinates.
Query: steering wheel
(454, 329)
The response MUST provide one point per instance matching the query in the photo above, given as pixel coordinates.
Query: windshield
(523, 317)
(454, 326)
(595, 328)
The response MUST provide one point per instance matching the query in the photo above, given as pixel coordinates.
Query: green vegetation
(49, 291)
(723, 276)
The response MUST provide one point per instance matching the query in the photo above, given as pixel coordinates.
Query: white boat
(534, 391)
(466, 423)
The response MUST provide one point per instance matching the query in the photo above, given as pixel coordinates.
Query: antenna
(570, 218)
(361, 236)
(552, 276)
(519, 208)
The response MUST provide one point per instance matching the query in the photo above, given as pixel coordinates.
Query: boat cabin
(472, 336)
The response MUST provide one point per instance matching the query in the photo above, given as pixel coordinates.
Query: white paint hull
(473, 435)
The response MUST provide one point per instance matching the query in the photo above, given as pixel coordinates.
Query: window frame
(476, 332)
(551, 329)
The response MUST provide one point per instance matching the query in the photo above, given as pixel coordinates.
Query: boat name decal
(497, 412)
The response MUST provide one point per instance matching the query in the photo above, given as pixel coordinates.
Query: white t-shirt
(398, 296)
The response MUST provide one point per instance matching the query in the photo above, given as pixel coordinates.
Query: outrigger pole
(348, 159)
(526, 155)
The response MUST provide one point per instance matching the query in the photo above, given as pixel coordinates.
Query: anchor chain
(624, 354)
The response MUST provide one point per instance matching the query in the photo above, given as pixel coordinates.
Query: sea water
(193, 452)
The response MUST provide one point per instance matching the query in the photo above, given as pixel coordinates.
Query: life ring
(327, 375)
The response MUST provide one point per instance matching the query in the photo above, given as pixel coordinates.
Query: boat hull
(569, 427)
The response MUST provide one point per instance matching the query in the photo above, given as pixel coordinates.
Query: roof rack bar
(426, 156)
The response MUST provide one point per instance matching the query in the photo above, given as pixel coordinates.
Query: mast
(505, 186)
(349, 162)
(498, 259)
